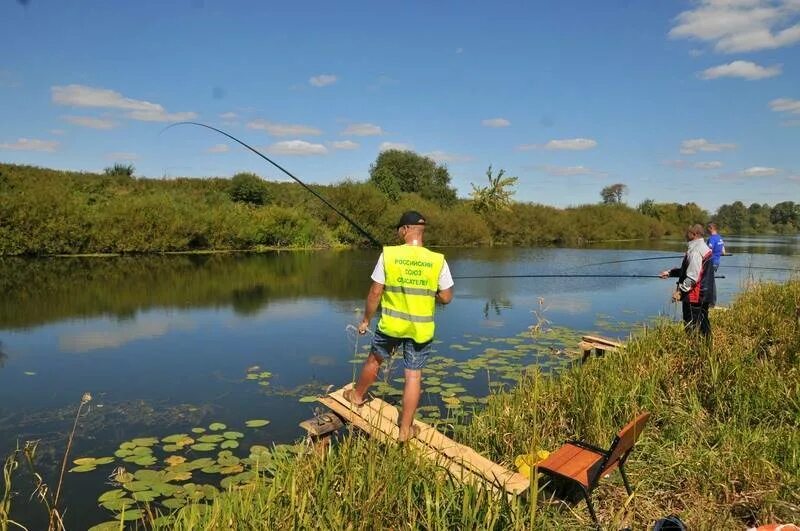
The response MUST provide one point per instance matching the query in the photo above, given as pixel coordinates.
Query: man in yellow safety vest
(407, 281)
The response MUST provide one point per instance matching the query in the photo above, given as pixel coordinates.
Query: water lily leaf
(264, 374)
(103, 460)
(212, 469)
(264, 383)
(149, 476)
(173, 503)
(251, 376)
(175, 438)
(174, 460)
(123, 453)
(145, 441)
(122, 476)
(217, 426)
(234, 434)
(84, 461)
(256, 423)
(145, 460)
(82, 468)
(178, 476)
(111, 495)
(234, 469)
(142, 450)
(200, 463)
(198, 430)
(138, 485)
(106, 526)
(127, 445)
(308, 399)
(229, 444)
(130, 515)
(258, 449)
(117, 504)
(203, 447)
(145, 496)
(169, 448)
(228, 459)
(165, 489)
(211, 438)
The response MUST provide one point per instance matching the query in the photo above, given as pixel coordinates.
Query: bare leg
(411, 393)
(369, 373)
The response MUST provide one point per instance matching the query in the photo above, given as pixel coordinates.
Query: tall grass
(721, 449)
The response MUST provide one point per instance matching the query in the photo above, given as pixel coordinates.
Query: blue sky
(680, 101)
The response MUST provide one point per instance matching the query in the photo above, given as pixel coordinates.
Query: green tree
(613, 193)
(786, 213)
(733, 217)
(495, 196)
(648, 208)
(248, 188)
(396, 171)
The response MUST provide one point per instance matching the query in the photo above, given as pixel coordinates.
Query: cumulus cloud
(692, 146)
(744, 69)
(495, 122)
(297, 147)
(740, 25)
(708, 165)
(344, 145)
(760, 171)
(322, 80)
(228, 116)
(363, 129)
(385, 146)
(85, 96)
(91, 122)
(219, 148)
(31, 144)
(276, 129)
(443, 156)
(786, 105)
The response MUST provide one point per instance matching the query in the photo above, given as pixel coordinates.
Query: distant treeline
(44, 211)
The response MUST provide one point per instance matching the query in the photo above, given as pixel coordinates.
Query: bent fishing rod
(561, 275)
(374, 241)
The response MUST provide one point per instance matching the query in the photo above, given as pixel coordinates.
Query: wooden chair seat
(572, 462)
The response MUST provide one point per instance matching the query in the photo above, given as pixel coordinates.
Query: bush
(248, 188)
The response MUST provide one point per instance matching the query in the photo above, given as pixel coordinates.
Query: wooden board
(602, 341)
(378, 418)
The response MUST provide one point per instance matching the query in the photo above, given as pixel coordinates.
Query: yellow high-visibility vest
(408, 301)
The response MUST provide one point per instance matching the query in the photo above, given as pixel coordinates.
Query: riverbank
(720, 449)
(49, 212)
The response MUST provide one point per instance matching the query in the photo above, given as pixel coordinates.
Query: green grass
(722, 449)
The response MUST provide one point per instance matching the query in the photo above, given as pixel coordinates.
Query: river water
(165, 344)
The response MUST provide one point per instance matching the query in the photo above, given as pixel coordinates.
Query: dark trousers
(695, 318)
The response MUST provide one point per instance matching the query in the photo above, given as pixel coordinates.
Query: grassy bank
(47, 212)
(721, 449)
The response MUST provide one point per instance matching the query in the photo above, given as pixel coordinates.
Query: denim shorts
(415, 355)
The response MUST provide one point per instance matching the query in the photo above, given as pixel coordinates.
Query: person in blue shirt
(716, 244)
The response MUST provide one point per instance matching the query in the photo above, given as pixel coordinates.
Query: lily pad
(145, 496)
(256, 423)
(106, 526)
(308, 399)
(175, 438)
(173, 503)
(144, 441)
(145, 460)
(111, 495)
(82, 468)
(198, 430)
(234, 434)
(229, 444)
(175, 460)
(217, 426)
(130, 515)
(118, 503)
(211, 438)
(203, 447)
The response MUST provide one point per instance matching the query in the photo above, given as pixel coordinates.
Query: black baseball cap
(411, 218)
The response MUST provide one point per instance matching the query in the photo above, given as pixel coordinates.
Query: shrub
(248, 188)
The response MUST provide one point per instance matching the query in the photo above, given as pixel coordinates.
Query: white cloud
(31, 144)
(495, 122)
(740, 25)
(443, 156)
(57, 132)
(345, 145)
(297, 147)
(785, 105)
(323, 80)
(744, 69)
(675, 164)
(84, 96)
(276, 129)
(385, 146)
(567, 171)
(571, 144)
(219, 148)
(122, 155)
(760, 171)
(692, 146)
(91, 122)
(228, 116)
(363, 129)
(708, 165)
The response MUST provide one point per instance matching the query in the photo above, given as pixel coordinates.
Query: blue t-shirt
(716, 245)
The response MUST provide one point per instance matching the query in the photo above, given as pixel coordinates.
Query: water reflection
(119, 333)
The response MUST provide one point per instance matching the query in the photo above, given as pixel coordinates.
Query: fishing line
(560, 275)
(355, 225)
(670, 257)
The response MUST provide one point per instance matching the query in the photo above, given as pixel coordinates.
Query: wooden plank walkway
(597, 344)
(379, 419)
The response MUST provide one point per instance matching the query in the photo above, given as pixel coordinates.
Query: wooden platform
(597, 344)
(379, 419)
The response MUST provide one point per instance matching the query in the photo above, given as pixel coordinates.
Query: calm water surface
(164, 343)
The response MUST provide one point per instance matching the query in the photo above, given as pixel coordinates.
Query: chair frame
(605, 465)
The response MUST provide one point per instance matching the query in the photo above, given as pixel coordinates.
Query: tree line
(45, 212)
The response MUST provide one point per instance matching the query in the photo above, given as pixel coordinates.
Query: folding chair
(583, 464)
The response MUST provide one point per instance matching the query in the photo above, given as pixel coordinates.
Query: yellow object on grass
(524, 463)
